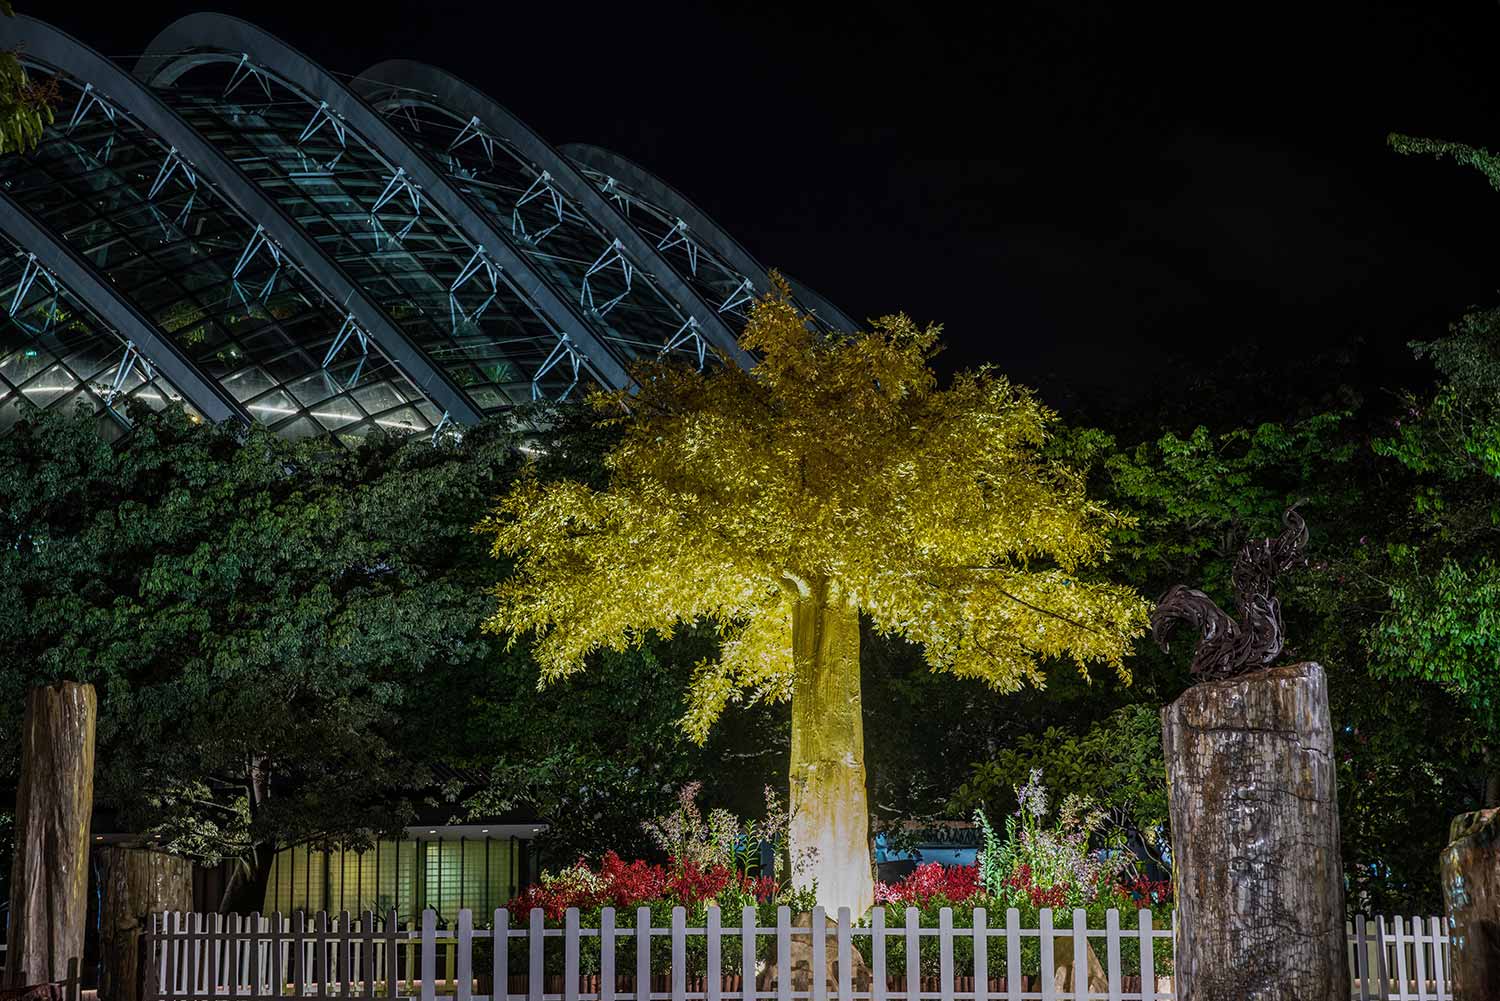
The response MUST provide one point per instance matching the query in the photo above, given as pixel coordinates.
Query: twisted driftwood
(1228, 647)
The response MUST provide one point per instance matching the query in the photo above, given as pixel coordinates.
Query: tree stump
(54, 801)
(1471, 892)
(137, 883)
(1255, 832)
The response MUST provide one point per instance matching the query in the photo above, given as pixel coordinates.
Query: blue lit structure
(229, 226)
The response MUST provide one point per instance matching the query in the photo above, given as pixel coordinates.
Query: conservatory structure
(227, 225)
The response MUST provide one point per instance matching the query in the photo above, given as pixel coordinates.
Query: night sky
(1096, 197)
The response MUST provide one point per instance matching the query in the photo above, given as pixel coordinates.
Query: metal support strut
(479, 262)
(565, 349)
(688, 332)
(741, 295)
(30, 272)
(128, 363)
(538, 188)
(322, 116)
(475, 131)
(678, 236)
(243, 71)
(398, 183)
(613, 254)
(88, 100)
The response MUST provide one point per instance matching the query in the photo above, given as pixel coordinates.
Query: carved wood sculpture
(1253, 799)
(1227, 647)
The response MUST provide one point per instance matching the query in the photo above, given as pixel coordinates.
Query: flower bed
(1064, 865)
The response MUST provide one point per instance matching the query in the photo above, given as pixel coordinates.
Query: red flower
(952, 883)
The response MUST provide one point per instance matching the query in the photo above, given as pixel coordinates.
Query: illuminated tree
(836, 478)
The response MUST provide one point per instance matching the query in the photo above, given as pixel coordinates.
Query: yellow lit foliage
(837, 466)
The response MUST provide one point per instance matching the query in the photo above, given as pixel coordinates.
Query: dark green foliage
(1116, 763)
(250, 605)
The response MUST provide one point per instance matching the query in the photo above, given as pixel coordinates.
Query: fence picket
(1362, 956)
(392, 956)
(715, 958)
(783, 953)
(343, 947)
(606, 954)
(1049, 965)
(980, 930)
(749, 920)
(570, 955)
(913, 955)
(1112, 953)
(679, 954)
(210, 949)
(299, 957)
(197, 956)
(1439, 961)
(500, 958)
(367, 953)
(429, 955)
(536, 943)
(945, 954)
(845, 950)
(817, 937)
(1080, 955)
(464, 991)
(1147, 943)
(277, 985)
(642, 953)
(1012, 954)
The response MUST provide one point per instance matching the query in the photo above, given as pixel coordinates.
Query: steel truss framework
(235, 228)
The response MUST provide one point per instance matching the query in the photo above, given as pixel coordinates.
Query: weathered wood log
(1255, 839)
(1471, 894)
(54, 800)
(136, 883)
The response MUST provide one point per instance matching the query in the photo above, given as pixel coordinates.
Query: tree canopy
(837, 478)
(932, 508)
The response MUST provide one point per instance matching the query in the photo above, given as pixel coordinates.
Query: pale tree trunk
(54, 802)
(830, 811)
(137, 884)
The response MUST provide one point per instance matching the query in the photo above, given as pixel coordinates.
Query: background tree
(25, 104)
(836, 478)
(286, 637)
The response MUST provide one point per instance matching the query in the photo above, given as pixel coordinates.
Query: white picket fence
(193, 956)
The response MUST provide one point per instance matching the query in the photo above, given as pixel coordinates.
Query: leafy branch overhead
(25, 104)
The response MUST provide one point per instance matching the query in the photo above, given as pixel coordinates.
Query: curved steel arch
(200, 39)
(464, 99)
(80, 277)
(717, 237)
(56, 48)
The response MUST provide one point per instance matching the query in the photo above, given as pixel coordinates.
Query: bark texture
(1471, 893)
(54, 801)
(1255, 834)
(136, 883)
(830, 811)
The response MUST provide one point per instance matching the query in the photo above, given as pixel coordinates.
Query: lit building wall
(406, 875)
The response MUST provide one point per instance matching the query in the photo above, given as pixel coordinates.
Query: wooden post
(1471, 892)
(54, 801)
(137, 883)
(1255, 836)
